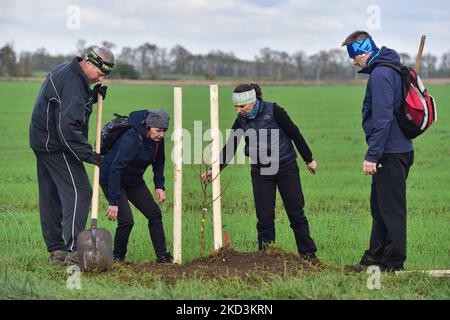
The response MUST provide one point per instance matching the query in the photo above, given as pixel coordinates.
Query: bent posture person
(59, 138)
(389, 155)
(122, 179)
(269, 133)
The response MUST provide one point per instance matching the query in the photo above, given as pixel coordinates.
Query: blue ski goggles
(361, 47)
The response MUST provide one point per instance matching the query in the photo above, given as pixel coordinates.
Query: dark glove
(94, 158)
(98, 89)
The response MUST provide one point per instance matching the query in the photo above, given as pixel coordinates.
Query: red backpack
(418, 112)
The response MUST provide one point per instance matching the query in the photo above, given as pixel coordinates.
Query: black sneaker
(165, 258)
(359, 267)
(311, 259)
(57, 257)
(72, 259)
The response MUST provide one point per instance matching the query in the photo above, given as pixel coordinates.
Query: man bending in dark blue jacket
(389, 155)
(59, 138)
(122, 179)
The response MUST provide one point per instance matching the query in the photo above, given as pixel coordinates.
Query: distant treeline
(149, 61)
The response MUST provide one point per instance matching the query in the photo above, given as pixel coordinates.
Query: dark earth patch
(226, 263)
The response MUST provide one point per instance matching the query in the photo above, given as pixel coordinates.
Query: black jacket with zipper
(60, 118)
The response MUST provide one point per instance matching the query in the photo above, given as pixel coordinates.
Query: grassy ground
(336, 202)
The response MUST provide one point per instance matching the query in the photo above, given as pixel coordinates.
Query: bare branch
(224, 190)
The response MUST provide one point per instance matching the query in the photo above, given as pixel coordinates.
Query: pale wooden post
(177, 175)
(215, 162)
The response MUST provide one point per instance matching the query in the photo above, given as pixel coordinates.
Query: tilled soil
(225, 263)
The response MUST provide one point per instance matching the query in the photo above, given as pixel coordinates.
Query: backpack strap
(400, 70)
(403, 71)
(396, 67)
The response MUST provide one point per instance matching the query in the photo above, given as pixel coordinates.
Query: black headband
(97, 61)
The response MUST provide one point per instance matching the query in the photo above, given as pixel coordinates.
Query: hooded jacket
(60, 118)
(384, 94)
(131, 154)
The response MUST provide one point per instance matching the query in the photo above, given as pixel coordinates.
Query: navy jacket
(60, 117)
(131, 154)
(383, 96)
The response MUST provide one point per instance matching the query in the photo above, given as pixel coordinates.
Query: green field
(337, 202)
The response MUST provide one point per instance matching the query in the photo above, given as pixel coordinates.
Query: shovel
(95, 245)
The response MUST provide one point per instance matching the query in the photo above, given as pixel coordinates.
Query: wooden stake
(215, 162)
(431, 273)
(419, 54)
(177, 175)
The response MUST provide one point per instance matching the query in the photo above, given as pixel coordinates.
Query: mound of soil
(227, 263)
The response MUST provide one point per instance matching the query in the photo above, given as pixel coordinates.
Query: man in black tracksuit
(59, 139)
(389, 155)
(269, 132)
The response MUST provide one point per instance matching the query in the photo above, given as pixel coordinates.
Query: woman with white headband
(269, 133)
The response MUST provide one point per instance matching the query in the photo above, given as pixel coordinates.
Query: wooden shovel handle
(95, 187)
(419, 54)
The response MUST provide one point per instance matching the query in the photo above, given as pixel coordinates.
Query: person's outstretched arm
(293, 132)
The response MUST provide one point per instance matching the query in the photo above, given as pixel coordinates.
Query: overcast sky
(240, 26)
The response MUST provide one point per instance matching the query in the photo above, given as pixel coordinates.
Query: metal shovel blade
(95, 250)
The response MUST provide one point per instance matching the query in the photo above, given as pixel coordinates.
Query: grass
(337, 203)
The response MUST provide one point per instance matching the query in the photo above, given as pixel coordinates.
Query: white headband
(243, 98)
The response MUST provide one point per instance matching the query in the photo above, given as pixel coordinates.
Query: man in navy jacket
(389, 155)
(59, 138)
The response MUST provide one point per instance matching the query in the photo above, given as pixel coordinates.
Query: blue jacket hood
(385, 55)
(137, 121)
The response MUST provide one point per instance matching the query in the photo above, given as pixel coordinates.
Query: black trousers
(64, 199)
(388, 208)
(264, 191)
(139, 195)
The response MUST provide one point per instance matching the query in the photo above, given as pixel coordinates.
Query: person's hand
(207, 176)
(112, 212)
(94, 158)
(161, 195)
(99, 89)
(369, 167)
(312, 167)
